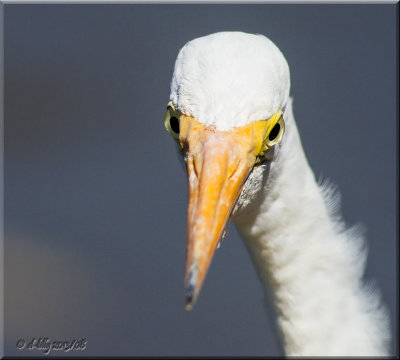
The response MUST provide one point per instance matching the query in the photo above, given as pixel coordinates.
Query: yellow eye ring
(275, 132)
(171, 121)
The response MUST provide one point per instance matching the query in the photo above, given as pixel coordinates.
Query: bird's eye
(275, 134)
(171, 121)
(174, 124)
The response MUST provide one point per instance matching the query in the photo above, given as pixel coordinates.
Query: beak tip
(189, 297)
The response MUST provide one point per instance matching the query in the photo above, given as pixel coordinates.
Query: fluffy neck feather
(310, 262)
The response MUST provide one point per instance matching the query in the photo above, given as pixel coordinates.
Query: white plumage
(209, 82)
(310, 265)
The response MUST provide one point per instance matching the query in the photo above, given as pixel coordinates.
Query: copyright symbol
(20, 344)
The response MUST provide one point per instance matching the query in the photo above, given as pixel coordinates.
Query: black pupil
(274, 132)
(174, 123)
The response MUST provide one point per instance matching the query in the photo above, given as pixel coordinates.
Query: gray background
(95, 197)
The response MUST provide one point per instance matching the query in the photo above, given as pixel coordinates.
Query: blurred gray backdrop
(95, 197)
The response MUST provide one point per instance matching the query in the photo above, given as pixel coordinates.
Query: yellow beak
(218, 164)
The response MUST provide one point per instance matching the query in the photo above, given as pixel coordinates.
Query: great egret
(231, 115)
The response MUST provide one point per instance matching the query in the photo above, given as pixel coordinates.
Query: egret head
(227, 95)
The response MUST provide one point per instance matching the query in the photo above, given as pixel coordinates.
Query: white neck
(312, 265)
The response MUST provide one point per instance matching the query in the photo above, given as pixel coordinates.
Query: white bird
(231, 115)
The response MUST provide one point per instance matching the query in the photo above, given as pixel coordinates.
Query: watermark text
(46, 345)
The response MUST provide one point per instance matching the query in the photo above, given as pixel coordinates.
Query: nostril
(191, 168)
(195, 169)
(232, 174)
(236, 166)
